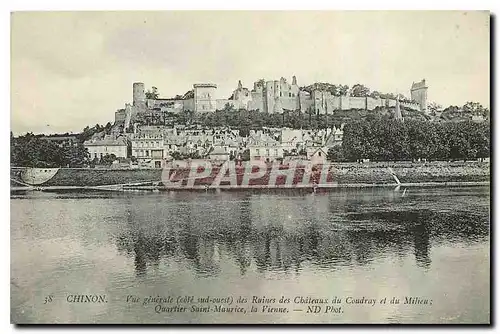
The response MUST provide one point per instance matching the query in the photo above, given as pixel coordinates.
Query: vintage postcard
(250, 167)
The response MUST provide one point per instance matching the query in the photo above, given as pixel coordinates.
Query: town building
(263, 147)
(317, 154)
(219, 154)
(108, 145)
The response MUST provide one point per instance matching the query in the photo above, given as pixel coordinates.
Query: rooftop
(107, 141)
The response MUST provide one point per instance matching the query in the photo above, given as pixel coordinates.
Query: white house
(99, 147)
(264, 148)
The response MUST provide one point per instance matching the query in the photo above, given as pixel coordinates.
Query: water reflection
(285, 234)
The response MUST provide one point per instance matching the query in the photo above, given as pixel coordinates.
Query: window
(267, 152)
(276, 152)
(257, 151)
(147, 153)
(319, 154)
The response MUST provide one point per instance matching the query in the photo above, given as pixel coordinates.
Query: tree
(353, 147)
(475, 109)
(402, 97)
(433, 107)
(343, 90)
(153, 94)
(335, 154)
(423, 140)
(452, 112)
(389, 96)
(176, 155)
(359, 90)
(108, 159)
(228, 107)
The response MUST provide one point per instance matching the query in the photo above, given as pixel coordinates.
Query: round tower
(138, 95)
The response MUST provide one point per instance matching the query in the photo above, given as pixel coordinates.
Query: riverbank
(256, 175)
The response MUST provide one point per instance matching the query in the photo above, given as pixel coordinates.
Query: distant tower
(204, 97)
(294, 80)
(139, 95)
(240, 86)
(397, 113)
(419, 93)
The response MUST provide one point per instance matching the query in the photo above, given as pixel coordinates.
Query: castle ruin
(272, 96)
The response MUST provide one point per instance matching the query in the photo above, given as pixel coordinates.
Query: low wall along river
(206, 174)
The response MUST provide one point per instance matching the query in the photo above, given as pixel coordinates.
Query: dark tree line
(245, 120)
(34, 151)
(391, 140)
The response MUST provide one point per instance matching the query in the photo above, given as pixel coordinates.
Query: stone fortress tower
(204, 97)
(138, 94)
(418, 93)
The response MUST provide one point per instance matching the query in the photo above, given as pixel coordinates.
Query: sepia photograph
(250, 167)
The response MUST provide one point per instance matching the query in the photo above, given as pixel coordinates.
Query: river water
(430, 243)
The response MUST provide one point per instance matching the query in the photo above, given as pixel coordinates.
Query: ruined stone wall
(290, 103)
(188, 104)
(306, 102)
(374, 103)
(257, 101)
(357, 102)
(221, 104)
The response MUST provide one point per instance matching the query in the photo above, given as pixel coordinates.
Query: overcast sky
(72, 69)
